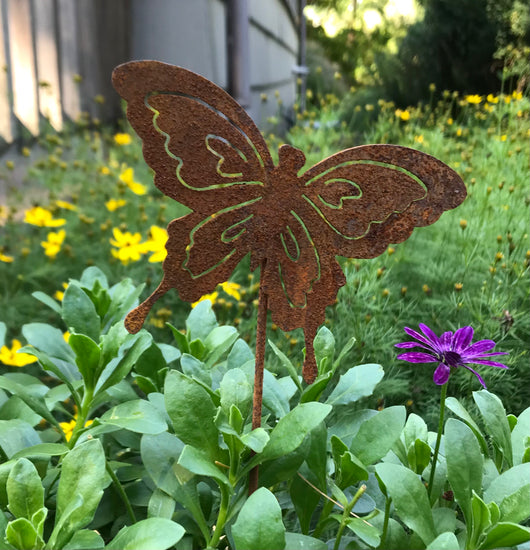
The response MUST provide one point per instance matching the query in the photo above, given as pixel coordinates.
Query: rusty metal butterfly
(208, 155)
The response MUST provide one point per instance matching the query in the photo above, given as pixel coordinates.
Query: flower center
(452, 359)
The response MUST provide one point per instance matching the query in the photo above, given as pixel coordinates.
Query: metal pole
(239, 52)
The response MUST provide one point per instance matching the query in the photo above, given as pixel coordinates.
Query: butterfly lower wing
(201, 253)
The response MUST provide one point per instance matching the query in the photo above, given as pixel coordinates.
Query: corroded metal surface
(208, 155)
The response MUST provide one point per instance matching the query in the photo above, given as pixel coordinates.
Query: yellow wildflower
(418, 139)
(517, 95)
(122, 139)
(474, 99)
(232, 289)
(492, 98)
(5, 258)
(9, 356)
(66, 205)
(128, 246)
(127, 177)
(459, 132)
(59, 294)
(105, 170)
(212, 297)
(68, 427)
(66, 336)
(450, 121)
(52, 245)
(114, 204)
(157, 244)
(403, 115)
(42, 218)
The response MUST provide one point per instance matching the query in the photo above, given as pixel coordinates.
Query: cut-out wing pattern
(208, 155)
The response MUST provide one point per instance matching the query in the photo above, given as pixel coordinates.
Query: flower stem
(121, 492)
(388, 501)
(346, 515)
(438, 439)
(221, 517)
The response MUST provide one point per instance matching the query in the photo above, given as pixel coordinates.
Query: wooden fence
(57, 55)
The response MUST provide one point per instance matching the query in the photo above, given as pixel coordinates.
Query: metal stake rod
(261, 334)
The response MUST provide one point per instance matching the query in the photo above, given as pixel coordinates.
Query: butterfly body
(208, 155)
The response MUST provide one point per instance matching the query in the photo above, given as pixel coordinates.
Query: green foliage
(151, 470)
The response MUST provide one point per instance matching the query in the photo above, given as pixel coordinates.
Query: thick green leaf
(292, 429)
(47, 301)
(161, 505)
(138, 416)
(48, 339)
(201, 321)
(445, 541)
(16, 435)
(180, 338)
(497, 426)
(287, 365)
(219, 342)
(25, 492)
(195, 368)
(415, 428)
(511, 491)
(119, 367)
(357, 382)
(124, 296)
(85, 540)
(377, 434)
(409, 496)
(324, 344)
(481, 520)
(366, 532)
(192, 412)
(87, 356)
(236, 390)
(459, 410)
(419, 456)
(3, 330)
(296, 541)
(79, 312)
(23, 535)
(147, 534)
(259, 525)
(313, 391)
(199, 463)
(464, 463)
(275, 397)
(256, 440)
(83, 478)
(520, 435)
(304, 497)
(505, 535)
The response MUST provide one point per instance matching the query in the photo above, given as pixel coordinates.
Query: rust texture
(208, 155)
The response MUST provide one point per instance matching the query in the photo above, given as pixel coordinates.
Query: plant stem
(346, 515)
(385, 522)
(438, 439)
(221, 517)
(121, 492)
(261, 333)
(81, 416)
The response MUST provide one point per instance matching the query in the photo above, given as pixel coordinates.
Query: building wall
(59, 54)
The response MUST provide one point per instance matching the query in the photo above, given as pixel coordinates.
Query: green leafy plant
(160, 444)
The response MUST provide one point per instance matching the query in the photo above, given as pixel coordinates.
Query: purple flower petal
(446, 339)
(441, 374)
(480, 379)
(418, 336)
(430, 335)
(488, 363)
(417, 357)
(411, 345)
(480, 347)
(462, 338)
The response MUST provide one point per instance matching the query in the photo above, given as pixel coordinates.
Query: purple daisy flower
(450, 351)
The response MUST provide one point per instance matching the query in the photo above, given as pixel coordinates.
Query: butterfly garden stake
(208, 155)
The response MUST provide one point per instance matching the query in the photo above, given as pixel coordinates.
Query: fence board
(22, 63)
(49, 86)
(7, 133)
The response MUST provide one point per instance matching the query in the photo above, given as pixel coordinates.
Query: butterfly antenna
(136, 318)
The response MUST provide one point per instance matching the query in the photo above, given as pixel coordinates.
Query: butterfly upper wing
(206, 154)
(353, 204)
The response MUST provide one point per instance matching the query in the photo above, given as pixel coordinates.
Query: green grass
(471, 267)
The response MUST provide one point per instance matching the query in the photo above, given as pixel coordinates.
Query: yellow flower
(127, 177)
(52, 245)
(492, 98)
(105, 170)
(473, 99)
(66, 336)
(156, 244)
(128, 246)
(232, 289)
(212, 297)
(59, 294)
(418, 139)
(68, 427)
(450, 121)
(114, 204)
(42, 218)
(403, 115)
(122, 139)
(6, 259)
(503, 137)
(66, 205)
(459, 132)
(517, 95)
(9, 356)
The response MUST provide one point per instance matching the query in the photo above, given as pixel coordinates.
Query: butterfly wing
(354, 204)
(206, 154)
